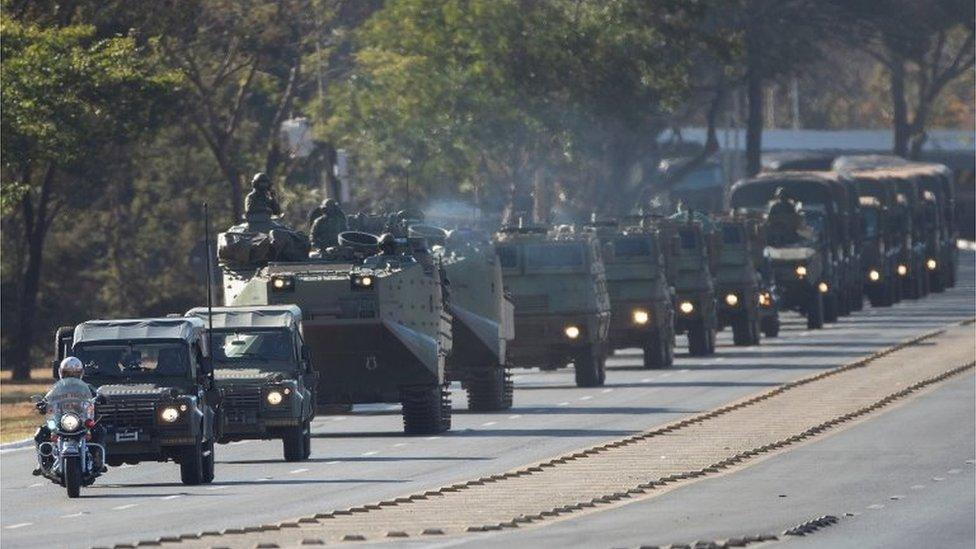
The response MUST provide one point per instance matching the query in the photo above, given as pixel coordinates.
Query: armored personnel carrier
(737, 281)
(375, 323)
(689, 252)
(562, 311)
(482, 318)
(642, 310)
(263, 370)
(156, 390)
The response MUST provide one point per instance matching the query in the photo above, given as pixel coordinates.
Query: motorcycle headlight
(874, 275)
(274, 398)
(572, 332)
(731, 300)
(931, 264)
(801, 271)
(686, 307)
(640, 316)
(70, 422)
(902, 270)
(169, 414)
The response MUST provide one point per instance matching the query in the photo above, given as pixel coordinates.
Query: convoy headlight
(640, 316)
(686, 307)
(572, 332)
(70, 422)
(169, 414)
(731, 300)
(282, 283)
(362, 281)
(874, 275)
(274, 398)
(931, 264)
(902, 270)
(823, 287)
(801, 271)
(765, 299)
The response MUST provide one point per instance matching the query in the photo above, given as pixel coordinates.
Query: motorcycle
(68, 456)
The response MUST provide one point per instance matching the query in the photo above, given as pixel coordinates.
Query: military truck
(943, 257)
(264, 372)
(482, 318)
(558, 284)
(156, 393)
(375, 323)
(688, 250)
(641, 305)
(879, 253)
(738, 284)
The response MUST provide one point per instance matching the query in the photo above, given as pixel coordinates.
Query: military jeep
(262, 367)
(562, 311)
(156, 390)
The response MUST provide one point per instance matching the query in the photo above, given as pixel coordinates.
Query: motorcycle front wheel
(72, 475)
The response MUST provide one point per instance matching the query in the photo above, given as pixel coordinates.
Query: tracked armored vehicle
(689, 252)
(482, 318)
(562, 311)
(641, 306)
(375, 324)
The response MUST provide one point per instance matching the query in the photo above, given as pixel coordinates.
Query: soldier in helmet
(785, 221)
(327, 225)
(261, 203)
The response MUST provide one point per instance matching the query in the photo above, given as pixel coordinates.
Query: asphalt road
(364, 457)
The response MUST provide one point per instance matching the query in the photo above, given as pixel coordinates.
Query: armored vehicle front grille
(357, 308)
(248, 399)
(129, 415)
(529, 303)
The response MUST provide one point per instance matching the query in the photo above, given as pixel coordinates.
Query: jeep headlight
(801, 271)
(572, 332)
(731, 300)
(687, 307)
(902, 270)
(274, 398)
(169, 414)
(70, 422)
(874, 275)
(931, 264)
(640, 316)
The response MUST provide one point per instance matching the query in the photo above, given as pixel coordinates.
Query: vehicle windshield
(630, 247)
(135, 361)
(870, 220)
(69, 395)
(554, 256)
(263, 349)
(815, 219)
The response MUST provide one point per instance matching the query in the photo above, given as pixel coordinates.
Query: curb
(16, 445)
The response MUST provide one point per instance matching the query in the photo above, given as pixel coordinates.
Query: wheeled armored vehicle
(688, 245)
(738, 284)
(263, 370)
(942, 257)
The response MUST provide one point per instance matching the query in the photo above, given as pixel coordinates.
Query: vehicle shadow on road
(271, 481)
(629, 410)
(357, 459)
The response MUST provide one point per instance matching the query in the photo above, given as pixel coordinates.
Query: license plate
(127, 435)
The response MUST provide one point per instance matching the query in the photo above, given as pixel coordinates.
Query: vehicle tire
(742, 332)
(426, 410)
(698, 344)
(770, 326)
(590, 367)
(293, 442)
(490, 390)
(191, 464)
(815, 312)
(938, 282)
(209, 460)
(924, 282)
(72, 475)
(857, 300)
(831, 307)
(844, 303)
(756, 331)
(658, 351)
(307, 452)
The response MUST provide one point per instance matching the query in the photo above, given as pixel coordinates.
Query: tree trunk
(902, 128)
(754, 117)
(36, 223)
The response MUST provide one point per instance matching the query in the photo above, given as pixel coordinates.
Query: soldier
(784, 221)
(261, 203)
(329, 223)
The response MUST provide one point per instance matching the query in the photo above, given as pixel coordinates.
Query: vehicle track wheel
(191, 464)
(815, 312)
(208, 462)
(742, 332)
(426, 410)
(490, 390)
(659, 350)
(293, 442)
(590, 366)
(72, 475)
(770, 326)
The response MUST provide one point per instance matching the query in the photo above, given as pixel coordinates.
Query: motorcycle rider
(69, 370)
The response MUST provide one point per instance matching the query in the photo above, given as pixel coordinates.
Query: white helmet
(71, 367)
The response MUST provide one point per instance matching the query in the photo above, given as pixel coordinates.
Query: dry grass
(18, 418)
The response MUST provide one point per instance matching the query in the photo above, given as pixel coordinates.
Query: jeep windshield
(134, 361)
(254, 348)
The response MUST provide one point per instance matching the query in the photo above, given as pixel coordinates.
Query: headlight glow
(931, 264)
(572, 332)
(278, 283)
(902, 270)
(874, 275)
(70, 422)
(169, 414)
(686, 307)
(274, 398)
(732, 300)
(801, 271)
(823, 287)
(366, 281)
(282, 283)
(640, 316)
(765, 299)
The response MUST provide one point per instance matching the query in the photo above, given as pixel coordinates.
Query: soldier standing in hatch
(328, 224)
(261, 203)
(784, 221)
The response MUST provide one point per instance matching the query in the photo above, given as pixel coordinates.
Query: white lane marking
(938, 479)
(75, 515)
(896, 497)
(36, 485)
(607, 391)
(683, 371)
(954, 471)
(124, 507)
(665, 375)
(516, 416)
(340, 418)
(19, 525)
(432, 438)
(563, 404)
(297, 471)
(587, 397)
(369, 453)
(174, 496)
(664, 457)
(876, 506)
(719, 359)
(917, 487)
(264, 479)
(647, 380)
(399, 444)
(488, 423)
(217, 487)
(332, 462)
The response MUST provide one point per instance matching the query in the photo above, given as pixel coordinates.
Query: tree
(68, 100)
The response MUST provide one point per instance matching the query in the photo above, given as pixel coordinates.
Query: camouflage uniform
(328, 225)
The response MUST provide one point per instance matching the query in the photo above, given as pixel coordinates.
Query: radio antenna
(206, 232)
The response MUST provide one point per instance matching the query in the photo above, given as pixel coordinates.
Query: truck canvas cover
(263, 316)
(187, 329)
